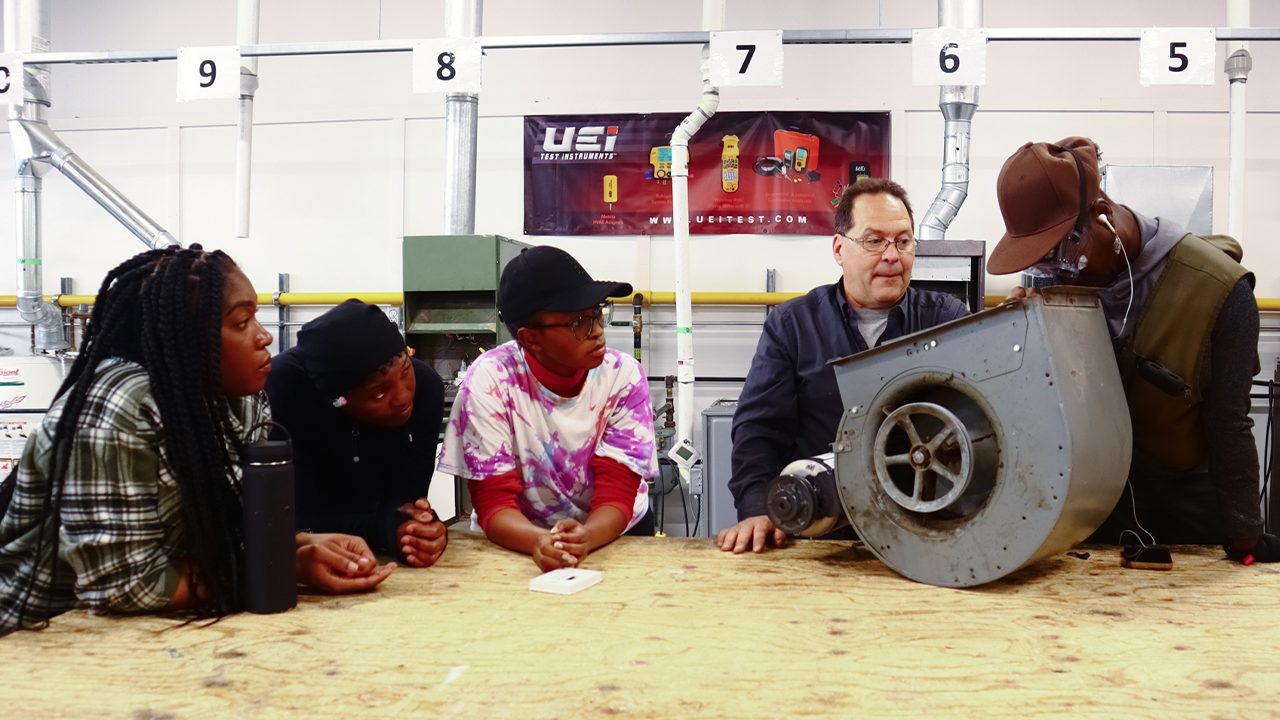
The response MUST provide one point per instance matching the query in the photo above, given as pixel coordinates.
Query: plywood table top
(678, 629)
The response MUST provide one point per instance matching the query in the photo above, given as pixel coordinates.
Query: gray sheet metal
(1039, 378)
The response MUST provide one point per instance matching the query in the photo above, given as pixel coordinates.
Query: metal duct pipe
(246, 34)
(461, 120)
(958, 104)
(1237, 67)
(26, 30)
(35, 149)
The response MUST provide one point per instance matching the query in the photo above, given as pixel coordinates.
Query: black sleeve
(297, 406)
(764, 425)
(413, 480)
(1233, 455)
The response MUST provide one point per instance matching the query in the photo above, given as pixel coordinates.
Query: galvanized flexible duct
(958, 104)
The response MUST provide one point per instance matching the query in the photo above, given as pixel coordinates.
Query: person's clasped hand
(422, 537)
(571, 536)
(553, 548)
(1266, 549)
(338, 564)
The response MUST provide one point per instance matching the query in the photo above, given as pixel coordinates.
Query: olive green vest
(1173, 329)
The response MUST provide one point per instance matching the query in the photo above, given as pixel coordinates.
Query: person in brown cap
(1184, 323)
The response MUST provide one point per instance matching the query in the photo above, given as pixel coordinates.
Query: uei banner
(769, 172)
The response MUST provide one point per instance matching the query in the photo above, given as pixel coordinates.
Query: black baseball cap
(548, 278)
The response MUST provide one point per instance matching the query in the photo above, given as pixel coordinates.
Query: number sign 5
(208, 73)
(1178, 56)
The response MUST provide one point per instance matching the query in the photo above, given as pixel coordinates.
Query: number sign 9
(742, 58)
(208, 73)
(1177, 56)
(446, 66)
(949, 56)
(11, 79)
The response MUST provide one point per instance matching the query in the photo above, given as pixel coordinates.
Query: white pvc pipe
(1237, 16)
(246, 34)
(713, 20)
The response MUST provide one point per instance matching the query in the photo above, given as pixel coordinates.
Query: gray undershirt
(871, 324)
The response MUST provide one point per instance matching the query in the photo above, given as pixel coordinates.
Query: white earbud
(1118, 246)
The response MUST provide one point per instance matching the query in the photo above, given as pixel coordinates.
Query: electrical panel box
(718, 512)
(954, 267)
(450, 297)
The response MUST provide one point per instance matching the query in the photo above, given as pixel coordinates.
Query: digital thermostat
(684, 453)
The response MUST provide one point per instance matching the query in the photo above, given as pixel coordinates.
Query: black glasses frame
(598, 316)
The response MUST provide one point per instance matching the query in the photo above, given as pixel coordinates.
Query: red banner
(767, 172)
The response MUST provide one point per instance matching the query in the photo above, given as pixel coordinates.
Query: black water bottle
(269, 526)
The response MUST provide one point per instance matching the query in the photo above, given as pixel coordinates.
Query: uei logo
(11, 376)
(584, 144)
(6, 404)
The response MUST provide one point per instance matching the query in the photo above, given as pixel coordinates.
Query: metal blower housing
(978, 447)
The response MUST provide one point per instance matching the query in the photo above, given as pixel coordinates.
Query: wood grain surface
(678, 629)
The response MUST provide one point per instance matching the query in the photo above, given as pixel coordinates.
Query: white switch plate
(565, 581)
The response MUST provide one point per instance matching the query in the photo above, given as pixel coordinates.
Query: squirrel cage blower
(975, 448)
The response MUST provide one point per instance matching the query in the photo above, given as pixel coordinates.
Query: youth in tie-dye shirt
(504, 419)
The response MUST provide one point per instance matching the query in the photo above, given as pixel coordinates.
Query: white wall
(347, 160)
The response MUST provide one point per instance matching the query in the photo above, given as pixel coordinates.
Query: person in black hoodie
(364, 417)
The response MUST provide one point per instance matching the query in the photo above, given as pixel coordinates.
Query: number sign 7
(741, 58)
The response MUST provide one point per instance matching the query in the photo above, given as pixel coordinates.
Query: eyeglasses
(877, 245)
(582, 325)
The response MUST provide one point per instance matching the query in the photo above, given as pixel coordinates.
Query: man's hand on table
(1262, 548)
(423, 537)
(755, 533)
(338, 564)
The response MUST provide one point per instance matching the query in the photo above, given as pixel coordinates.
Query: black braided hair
(162, 309)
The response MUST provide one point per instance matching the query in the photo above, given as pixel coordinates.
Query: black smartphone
(1146, 557)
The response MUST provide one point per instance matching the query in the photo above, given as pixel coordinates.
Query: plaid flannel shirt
(119, 530)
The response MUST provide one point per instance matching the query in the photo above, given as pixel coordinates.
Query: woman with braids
(126, 499)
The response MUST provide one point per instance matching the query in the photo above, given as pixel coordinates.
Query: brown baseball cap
(1039, 190)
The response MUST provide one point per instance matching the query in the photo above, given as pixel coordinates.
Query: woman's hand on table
(422, 537)
(548, 557)
(338, 564)
(571, 536)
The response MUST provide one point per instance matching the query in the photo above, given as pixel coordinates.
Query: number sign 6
(949, 56)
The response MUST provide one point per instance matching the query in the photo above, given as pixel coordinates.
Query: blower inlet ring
(940, 458)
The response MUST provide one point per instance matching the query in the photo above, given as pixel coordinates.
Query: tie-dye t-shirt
(504, 419)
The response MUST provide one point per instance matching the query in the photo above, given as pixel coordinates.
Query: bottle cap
(268, 452)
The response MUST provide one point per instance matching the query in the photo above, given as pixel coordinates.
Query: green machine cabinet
(450, 297)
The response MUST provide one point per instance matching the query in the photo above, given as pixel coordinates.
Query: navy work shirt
(351, 477)
(790, 405)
